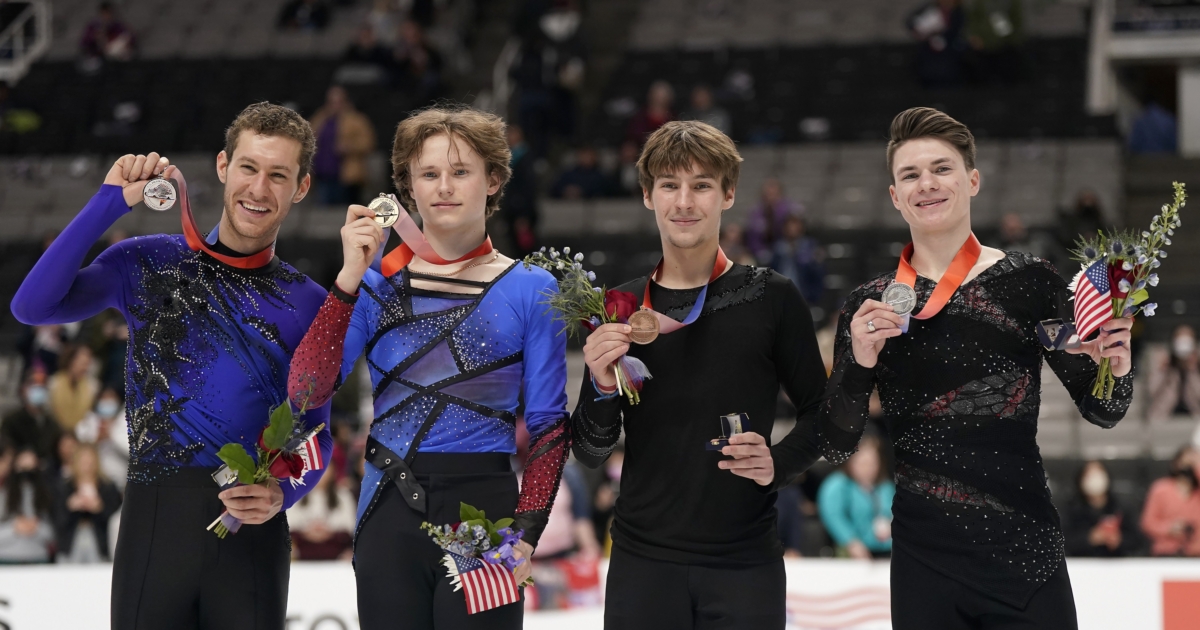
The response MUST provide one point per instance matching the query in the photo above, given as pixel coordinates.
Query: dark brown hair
(678, 145)
(266, 119)
(927, 122)
(482, 131)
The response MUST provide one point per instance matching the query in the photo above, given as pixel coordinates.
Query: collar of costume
(668, 325)
(960, 267)
(414, 245)
(195, 239)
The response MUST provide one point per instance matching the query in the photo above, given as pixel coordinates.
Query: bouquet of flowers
(1117, 269)
(582, 306)
(479, 558)
(285, 450)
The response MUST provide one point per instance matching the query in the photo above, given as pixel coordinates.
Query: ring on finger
(871, 326)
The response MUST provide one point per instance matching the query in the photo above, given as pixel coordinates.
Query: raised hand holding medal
(134, 173)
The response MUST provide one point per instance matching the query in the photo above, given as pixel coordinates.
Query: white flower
(567, 251)
(1145, 235)
(1170, 232)
(1153, 279)
(1123, 285)
(1141, 259)
(1166, 241)
(1155, 264)
(1141, 284)
(1149, 309)
(591, 276)
(1126, 265)
(1162, 254)
(597, 289)
(579, 257)
(553, 255)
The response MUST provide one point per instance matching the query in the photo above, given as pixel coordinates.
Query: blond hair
(927, 122)
(274, 120)
(679, 145)
(482, 131)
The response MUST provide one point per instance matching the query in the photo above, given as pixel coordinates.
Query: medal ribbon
(414, 244)
(668, 325)
(196, 241)
(962, 264)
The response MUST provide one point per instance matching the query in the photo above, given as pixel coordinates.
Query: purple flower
(1149, 309)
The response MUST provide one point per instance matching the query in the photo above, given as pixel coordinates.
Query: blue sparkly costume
(453, 364)
(209, 344)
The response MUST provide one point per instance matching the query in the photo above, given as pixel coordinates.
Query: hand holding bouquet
(481, 557)
(285, 450)
(584, 307)
(1118, 268)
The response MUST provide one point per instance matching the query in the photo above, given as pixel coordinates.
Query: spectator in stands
(322, 522)
(368, 51)
(26, 524)
(705, 110)
(548, 69)
(73, 389)
(304, 15)
(42, 345)
(1014, 236)
(789, 504)
(1095, 524)
(383, 20)
(1171, 516)
(1083, 217)
(995, 30)
(584, 180)
(418, 65)
(801, 259)
(107, 37)
(1155, 130)
(625, 180)
(31, 426)
(656, 113)
(345, 137)
(519, 206)
(106, 429)
(940, 28)
(855, 504)
(1175, 381)
(733, 243)
(86, 502)
(764, 224)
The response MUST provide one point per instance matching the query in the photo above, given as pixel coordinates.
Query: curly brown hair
(274, 120)
(482, 131)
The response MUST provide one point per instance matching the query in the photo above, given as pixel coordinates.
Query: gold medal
(644, 327)
(387, 211)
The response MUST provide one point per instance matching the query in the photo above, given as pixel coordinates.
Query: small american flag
(486, 586)
(310, 453)
(1093, 300)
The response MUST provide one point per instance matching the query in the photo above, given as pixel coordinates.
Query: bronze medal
(644, 327)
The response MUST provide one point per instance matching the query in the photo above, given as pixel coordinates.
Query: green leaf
(469, 513)
(1137, 297)
(282, 420)
(239, 461)
(504, 522)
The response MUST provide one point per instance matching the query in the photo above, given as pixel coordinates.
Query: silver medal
(901, 296)
(387, 211)
(159, 194)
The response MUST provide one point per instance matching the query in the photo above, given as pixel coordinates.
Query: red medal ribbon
(960, 267)
(195, 239)
(414, 244)
(668, 325)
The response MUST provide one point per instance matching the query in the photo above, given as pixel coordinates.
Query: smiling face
(261, 183)
(450, 184)
(932, 187)
(687, 206)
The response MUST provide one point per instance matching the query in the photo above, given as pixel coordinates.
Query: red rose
(1115, 275)
(622, 304)
(287, 465)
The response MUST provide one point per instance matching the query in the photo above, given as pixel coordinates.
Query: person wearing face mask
(105, 427)
(30, 425)
(1095, 525)
(26, 530)
(1175, 384)
(1171, 516)
(213, 321)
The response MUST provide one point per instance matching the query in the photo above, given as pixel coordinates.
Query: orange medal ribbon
(414, 244)
(195, 239)
(960, 267)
